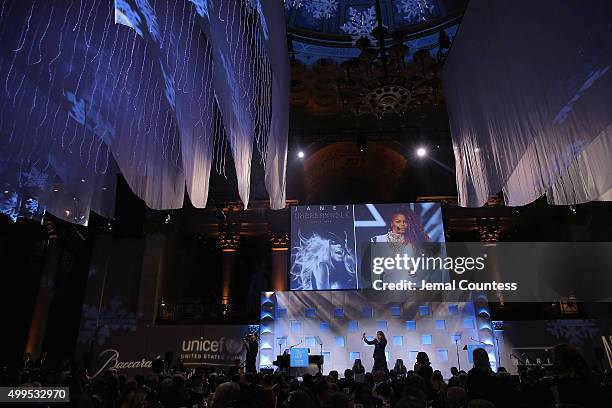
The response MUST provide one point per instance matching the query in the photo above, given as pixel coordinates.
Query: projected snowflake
(34, 178)
(322, 9)
(360, 23)
(293, 4)
(574, 331)
(9, 205)
(415, 11)
(31, 205)
(112, 318)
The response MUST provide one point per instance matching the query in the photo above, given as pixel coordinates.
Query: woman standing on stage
(380, 359)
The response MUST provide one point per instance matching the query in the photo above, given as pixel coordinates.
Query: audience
(569, 383)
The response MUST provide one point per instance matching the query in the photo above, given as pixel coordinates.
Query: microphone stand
(457, 347)
(321, 344)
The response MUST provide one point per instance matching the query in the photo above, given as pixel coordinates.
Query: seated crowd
(568, 383)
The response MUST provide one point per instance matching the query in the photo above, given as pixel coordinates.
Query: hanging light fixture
(381, 82)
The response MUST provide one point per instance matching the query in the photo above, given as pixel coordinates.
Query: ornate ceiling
(340, 23)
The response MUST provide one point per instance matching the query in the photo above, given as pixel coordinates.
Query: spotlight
(301, 154)
(55, 190)
(167, 220)
(421, 152)
(82, 180)
(67, 213)
(6, 191)
(572, 209)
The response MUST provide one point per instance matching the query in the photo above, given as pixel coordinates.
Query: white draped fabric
(154, 89)
(529, 94)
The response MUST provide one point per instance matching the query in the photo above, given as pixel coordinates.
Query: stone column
(152, 277)
(228, 241)
(279, 264)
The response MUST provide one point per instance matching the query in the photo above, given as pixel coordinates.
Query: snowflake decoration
(415, 11)
(34, 178)
(9, 204)
(31, 205)
(322, 9)
(110, 319)
(575, 331)
(293, 4)
(360, 23)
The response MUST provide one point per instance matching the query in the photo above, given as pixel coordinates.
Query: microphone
(478, 341)
(296, 344)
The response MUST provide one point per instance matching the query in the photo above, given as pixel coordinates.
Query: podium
(299, 358)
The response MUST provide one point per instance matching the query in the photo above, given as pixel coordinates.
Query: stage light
(82, 180)
(167, 220)
(6, 191)
(67, 213)
(55, 190)
(421, 152)
(301, 154)
(572, 209)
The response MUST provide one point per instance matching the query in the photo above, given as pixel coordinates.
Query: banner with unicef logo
(133, 351)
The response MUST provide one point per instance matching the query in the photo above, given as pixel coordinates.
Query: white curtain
(153, 89)
(529, 94)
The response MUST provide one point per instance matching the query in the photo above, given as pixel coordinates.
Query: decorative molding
(280, 242)
(229, 241)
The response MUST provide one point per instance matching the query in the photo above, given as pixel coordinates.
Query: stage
(331, 323)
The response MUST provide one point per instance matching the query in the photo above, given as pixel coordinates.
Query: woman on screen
(405, 228)
(323, 262)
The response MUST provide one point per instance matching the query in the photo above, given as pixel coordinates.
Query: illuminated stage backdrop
(337, 320)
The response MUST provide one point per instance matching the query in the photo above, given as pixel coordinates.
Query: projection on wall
(330, 244)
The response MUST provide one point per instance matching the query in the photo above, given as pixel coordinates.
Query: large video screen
(330, 244)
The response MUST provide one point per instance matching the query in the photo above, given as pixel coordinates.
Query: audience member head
(358, 367)
(455, 396)
(481, 358)
(226, 393)
(348, 374)
(437, 381)
(299, 399)
(454, 371)
(422, 358)
(569, 362)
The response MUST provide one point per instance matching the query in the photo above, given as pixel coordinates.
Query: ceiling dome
(342, 22)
